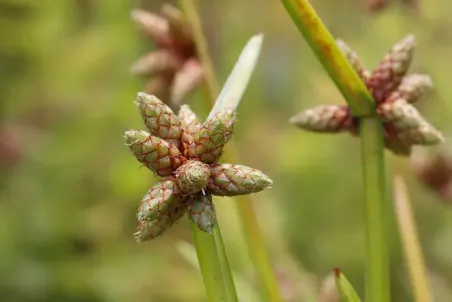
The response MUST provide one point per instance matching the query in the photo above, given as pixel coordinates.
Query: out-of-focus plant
(393, 92)
(173, 68)
(408, 232)
(379, 110)
(185, 153)
(434, 170)
(378, 5)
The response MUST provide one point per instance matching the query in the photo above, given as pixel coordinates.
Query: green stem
(332, 59)
(377, 274)
(228, 280)
(211, 265)
(253, 235)
(362, 105)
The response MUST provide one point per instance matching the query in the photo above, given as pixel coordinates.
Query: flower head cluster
(173, 67)
(185, 154)
(393, 91)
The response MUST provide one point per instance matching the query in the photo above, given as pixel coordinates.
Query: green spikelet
(391, 70)
(232, 180)
(214, 134)
(158, 155)
(190, 125)
(148, 230)
(189, 120)
(324, 118)
(158, 200)
(159, 118)
(202, 212)
(192, 177)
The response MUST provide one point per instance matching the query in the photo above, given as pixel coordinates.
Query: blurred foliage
(69, 188)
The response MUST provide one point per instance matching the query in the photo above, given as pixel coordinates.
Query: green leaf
(234, 88)
(346, 290)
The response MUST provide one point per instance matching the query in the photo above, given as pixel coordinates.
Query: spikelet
(324, 118)
(162, 196)
(353, 58)
(192, 177)
(214, 134)
(148, 229)
(391, 70)
(232, 180)
(159, 118)
(202, 212)
(158, 155)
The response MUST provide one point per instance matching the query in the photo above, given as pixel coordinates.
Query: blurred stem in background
(413, 252)
(362, 105)
(253, 235)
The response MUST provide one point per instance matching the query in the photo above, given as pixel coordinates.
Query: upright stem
(362, 105)
(377, 281)
(228, 281)
(253, 235)
(212, 266)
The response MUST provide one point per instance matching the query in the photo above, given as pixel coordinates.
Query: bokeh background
(69, 188)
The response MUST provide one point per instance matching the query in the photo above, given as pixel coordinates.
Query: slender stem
(334, 62)
(362, 105)
(253, 235)
(210, 264)
(413, 251)
(228, 280)
(377, 281)
(210, 81)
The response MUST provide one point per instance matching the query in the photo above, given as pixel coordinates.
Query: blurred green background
(69, 188)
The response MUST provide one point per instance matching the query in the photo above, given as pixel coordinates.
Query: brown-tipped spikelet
(353, 58)
(174, 67)
(192, 177)
(154, 63)
(159, 118)
(412, 88)
(150, 229)
(158, 200)
(202, 212)
(214, 134)
(156, 27)
(232, 180)
(391, 70)
(324, 118)
(411, 126)
(158, 155)
(393, 92)
(185, 153)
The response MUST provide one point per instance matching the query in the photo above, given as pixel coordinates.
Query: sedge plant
(180, 64)
(379, 111)
(185, 152)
